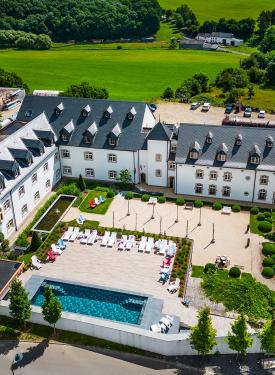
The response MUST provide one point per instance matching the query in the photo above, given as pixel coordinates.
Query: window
(262, 195)
(65, 154)
(199, 173)
(48, 184)
(89, 172)
(16, 173)
(36, 196)
(58, 174)
(7, 205)
(254, 159)
(112, 174)
(87, 139)
(172, 165)
(198, 188)
(158, 157)
(46, 167)
(56, 157)
(264, 180)
(28, 113)
(158, 172)
(194, 155)
(247, 178)
(174, 148)
(88, 155)
(226, 191)
(67, 170)
(221, 156)
(10, 225)
(212, 190)
(2, 186)
(112, 158)
(65, 138)
(213, 175)
(208, 139)
(34, 178)
(24, 210)
(21, 191)
(227, 176)
(112, 142)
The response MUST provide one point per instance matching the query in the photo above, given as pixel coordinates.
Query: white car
(206, 107)
(261, 114)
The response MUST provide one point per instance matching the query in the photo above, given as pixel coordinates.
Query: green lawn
(100, 209)
(26, 257)
(132, 74)
(215, 9)
(254, 224)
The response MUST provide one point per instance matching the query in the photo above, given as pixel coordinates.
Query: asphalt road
(57, 359)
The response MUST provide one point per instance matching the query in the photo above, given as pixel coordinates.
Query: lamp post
(177, 218)
(128, 212)
(113, 219)
(160, 222)
(199, 223)
(213, 234)
(136, 223)
(153, 213)
(187, 229)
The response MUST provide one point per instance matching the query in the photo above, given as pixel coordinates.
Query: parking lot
(180, 113)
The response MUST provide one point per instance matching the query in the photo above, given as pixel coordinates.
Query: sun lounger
(92, 204)
(149, 245)
(92, 238)
(112, 239)
(67, 234)
(56, 249)
(97, 201)
(158, 328)
(61, 244)
(101, 199)
(130, 242)
(171, 250)
(174, 286)
(167, 320)
(80, 220)
(36, 262)
(122, 242)
(51, 256)
(153, 200)
(226, 210)
(105, 238)
(142, 244)
(85, 236)
(74, 234)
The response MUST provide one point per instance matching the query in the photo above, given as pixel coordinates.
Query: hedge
(198, 203)
(180, 201)
(268, 248)
(209, 268)
(267, 214)
(268, 272)
(110, 194)
(254, 210)
(236, 208)
(217, 206)
(162, 199)
(268, 262)
(265, 226)
(129, 195)
(260, 217)
(145, 197)
(235, 272)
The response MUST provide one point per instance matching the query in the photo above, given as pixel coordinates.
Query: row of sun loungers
(163, 325)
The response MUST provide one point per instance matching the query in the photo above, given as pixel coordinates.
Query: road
(58, 359)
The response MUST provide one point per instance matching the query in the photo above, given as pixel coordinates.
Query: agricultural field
(214, 9)
(133, 74)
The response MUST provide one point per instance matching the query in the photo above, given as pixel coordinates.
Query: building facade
(226, 39)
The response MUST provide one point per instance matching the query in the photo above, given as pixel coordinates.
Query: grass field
(133, 74)
(100, 209)
(215, 9)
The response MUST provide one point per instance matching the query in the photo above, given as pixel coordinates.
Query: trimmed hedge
(268, 272)
(145, 198)
(180, 201)
(268, 248)
(267, 214)
(260, 217)
(236, 208)
(234, 272)
(198, 203)
(270, 236)
(268, 262)
(162, 199)
(254, 210)
(209, 268)
(129, 195)
(217, 206)
(110, 194)
(265, 226)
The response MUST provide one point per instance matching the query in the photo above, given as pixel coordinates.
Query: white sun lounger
(130, 242)
(97, 201)
(66, 236)
(74, 234)
(158, 328)
(36, 262)
(163, 247)
(85, 236)
(122, 242)
(174, 286)
(167, 320)
(149, 245)
(92, 238)
(142, 244)
(56, 250)
(112, 239)
(105, 238)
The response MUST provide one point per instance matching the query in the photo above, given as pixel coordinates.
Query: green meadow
(215, 9)
(134, 74)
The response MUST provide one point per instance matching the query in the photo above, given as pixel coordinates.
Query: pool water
(100, 303)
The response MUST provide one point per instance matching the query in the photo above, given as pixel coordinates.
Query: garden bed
(101, 209)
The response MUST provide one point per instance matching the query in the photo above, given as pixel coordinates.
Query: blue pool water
(100, 303)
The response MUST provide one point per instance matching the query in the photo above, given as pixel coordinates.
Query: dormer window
(112, 141)
(88, 139)
(67, 131)
(86, 111)
(269, 142)
(108, 112)
(238, 140)
(2, 185)
(254, 159)
(65, 137)
(222, 152)
(16, 173)
(209, 138)
(132, 113)
(255, 154)
(90, 133)
(221, 156)
(194, 155)
(29, 161)
(59, 109)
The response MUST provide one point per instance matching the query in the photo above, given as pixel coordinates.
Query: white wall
(157, 147)
(149, 120)
(270, 187)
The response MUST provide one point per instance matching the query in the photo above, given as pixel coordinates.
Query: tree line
(82, 20)
(23, 40)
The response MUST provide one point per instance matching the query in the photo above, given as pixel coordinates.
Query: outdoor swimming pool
(99, 303)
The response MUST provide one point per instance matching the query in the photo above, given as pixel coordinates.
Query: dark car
(153, 107)
(247, 112)
(228, 109)
(195, 105)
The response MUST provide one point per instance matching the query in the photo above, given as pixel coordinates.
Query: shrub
(162, 199)
(254, 210)
(269, 219)
(198, 203)
(145, 197)
(209, 268)
(217, 206)
(236, 208)
(102, 188)
(129, 195)
(268, 248)
(268, 262)
(22, 240)
(180, 201)
(81, 183)
(273, 267)
(119, 47)
(268, 272)
(235, 272)
(36, 241)
(265, 226)
(70, 189)
(110, 194)
(267, 214)
(260, 217)
(273, 257)
(270, 236)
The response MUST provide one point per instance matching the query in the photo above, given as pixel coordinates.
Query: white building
(54, 137)
(226, 39)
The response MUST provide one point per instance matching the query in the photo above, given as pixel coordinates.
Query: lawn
(100, 209)
(133, 74)
(254, 224)
(215, 9)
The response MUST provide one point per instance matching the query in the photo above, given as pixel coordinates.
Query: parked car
(228, 109)
(153, 107)
(247, 112)
(261, 114)
(206, 107)
(195, 105)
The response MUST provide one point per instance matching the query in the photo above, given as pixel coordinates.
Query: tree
(25, 42)
(239, 339)
(81, 183)
(251, 91)
(173, 43)
(268, 42)
(234, 95)
(36, 241)
(203, 334)
(203, 79)
(11, 79)
(125, 177)
(231, 78)
(85, 90)
(168, 93)
(256, 75)
(43, 42)
(263, 22)
(270, 72)
(51, 308)
(4, 244)
(20, 306)
(267, 336)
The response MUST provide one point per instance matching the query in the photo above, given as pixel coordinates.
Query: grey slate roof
(131, 138)
(160, 132)
(237, 156)
(219, 34)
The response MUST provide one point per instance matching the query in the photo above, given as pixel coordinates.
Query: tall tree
(267, 336)
(20, 306)
(251, 91)
(81, 183)
(36, 241)
(268, 42)
(11, 79)
(239, 339)
(203, 334)
(203, 79)
(51, 308)
(125, 177)
(85, 90)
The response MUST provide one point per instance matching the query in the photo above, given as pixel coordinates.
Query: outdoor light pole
(213, 234)
(128, 213)
(177, 218)
(160, 222)
(113, 219)
(136, 223)
(153, 213)
(187, 229)
(199, 223)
